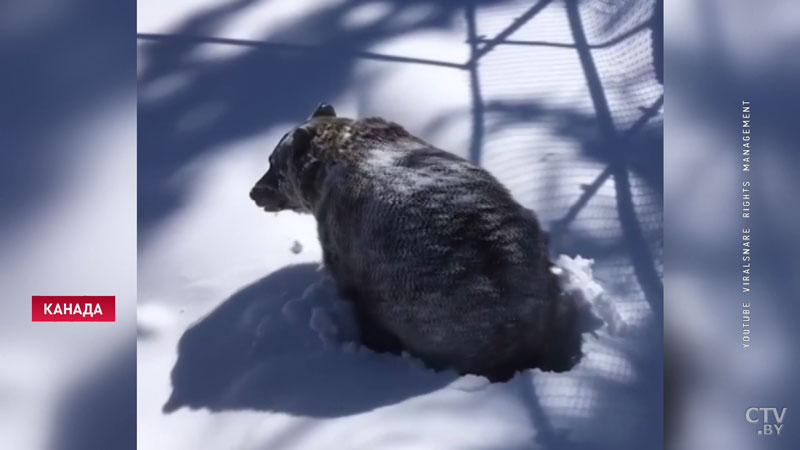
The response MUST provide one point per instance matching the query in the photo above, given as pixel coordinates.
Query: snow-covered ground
(240, 335)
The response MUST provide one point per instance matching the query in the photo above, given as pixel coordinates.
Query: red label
(65, 308)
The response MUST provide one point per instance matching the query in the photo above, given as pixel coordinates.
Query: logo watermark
(769, 420)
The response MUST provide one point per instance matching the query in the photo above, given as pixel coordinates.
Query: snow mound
(470, 383)
(297, 247)
(322, 310)
(576, 279)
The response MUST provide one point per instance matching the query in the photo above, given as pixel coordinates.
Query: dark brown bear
(435, 254)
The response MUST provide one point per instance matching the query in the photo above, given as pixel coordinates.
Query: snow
(243, 341)
(297, 247)
(575, 278)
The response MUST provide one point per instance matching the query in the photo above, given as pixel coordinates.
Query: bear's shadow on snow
(246, 355)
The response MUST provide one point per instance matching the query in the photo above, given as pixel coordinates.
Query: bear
(434, 253)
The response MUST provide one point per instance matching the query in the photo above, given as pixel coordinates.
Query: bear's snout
(267, 198)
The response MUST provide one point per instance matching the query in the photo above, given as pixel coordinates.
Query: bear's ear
(323, 110)
(301, 139)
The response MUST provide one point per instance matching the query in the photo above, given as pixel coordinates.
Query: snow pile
(297, 247)
(470, 383)
(321, 308)
(576, 279)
